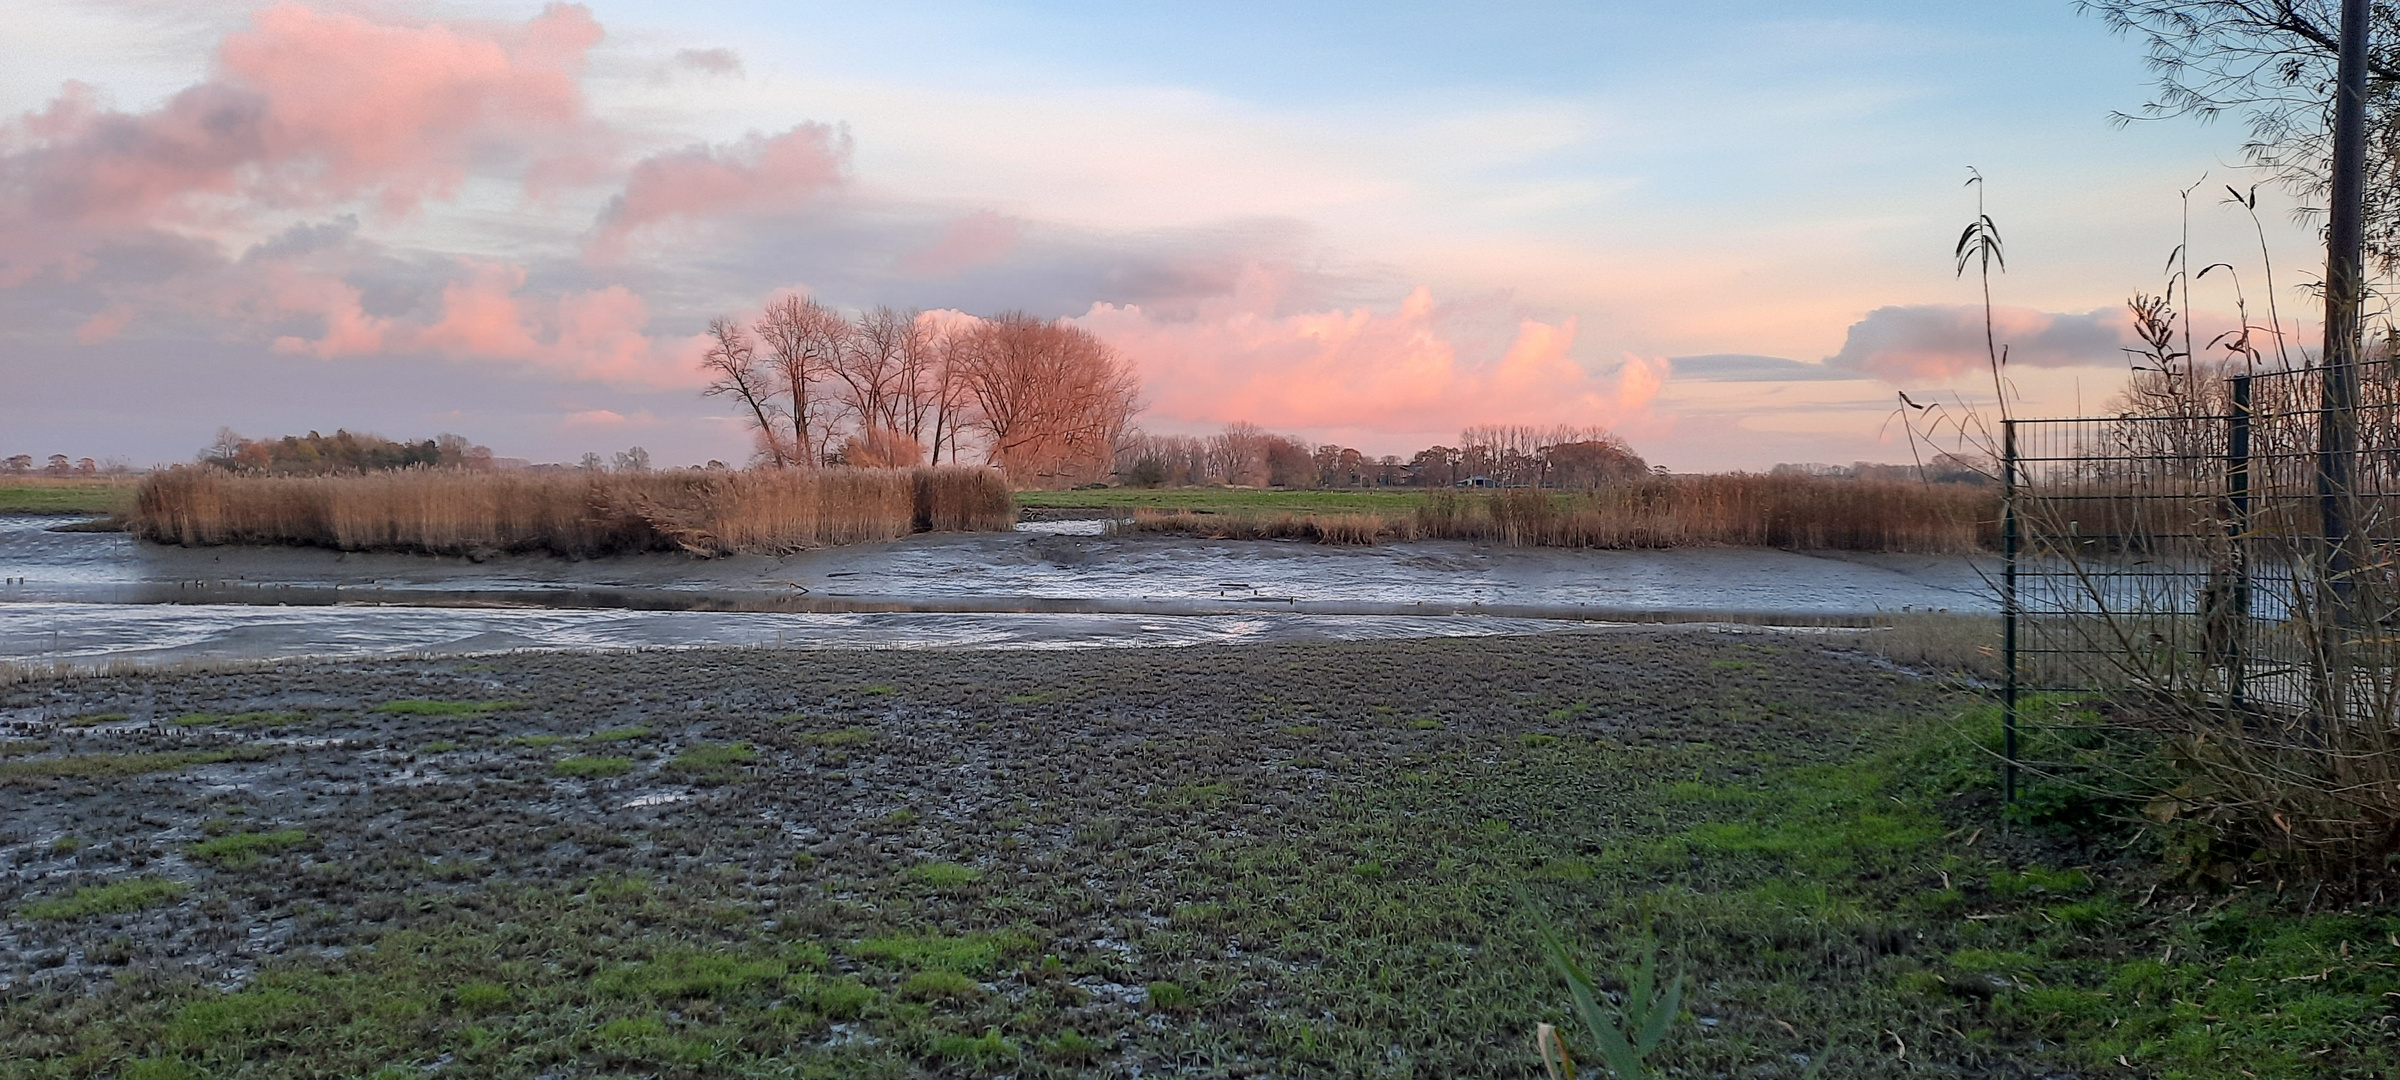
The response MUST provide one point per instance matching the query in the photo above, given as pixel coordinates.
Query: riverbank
(1282, 860)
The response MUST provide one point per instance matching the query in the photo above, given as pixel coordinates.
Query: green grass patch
(945, 875)
(940, 984)
(982, 1051)
(971, 954)
(538, 742)
(591, 768)
(1167, 997)
(683, 974)
(843, 739)
(65, 496)
(712, 763)
(244, 848)
(115, 898)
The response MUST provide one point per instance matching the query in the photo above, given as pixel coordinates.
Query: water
(85, 597)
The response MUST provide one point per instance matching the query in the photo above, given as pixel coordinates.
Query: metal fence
(2210, 545)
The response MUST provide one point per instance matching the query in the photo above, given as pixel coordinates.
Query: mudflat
(1295, 859)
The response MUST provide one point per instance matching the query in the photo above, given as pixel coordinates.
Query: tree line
(59, 465)
(1495, 455)
(1045, 402)
(341, 452)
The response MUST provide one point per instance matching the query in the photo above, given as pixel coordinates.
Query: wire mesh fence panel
(2197, 549)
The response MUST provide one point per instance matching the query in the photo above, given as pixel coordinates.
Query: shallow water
(93, 596)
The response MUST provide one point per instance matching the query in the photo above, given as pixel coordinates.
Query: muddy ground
(1281, 860)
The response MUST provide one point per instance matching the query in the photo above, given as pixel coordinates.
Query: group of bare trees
(1046, 402)
(1517, 455)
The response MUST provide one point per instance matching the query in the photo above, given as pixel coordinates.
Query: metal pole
(2345, 241)
(2237, 490)
(2337, 431)
(2008, 610)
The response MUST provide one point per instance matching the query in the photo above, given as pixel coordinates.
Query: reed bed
(453, 512)
(1738, 509)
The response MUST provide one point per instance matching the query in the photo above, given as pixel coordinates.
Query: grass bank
(578, 514)
(67, 495)
(1278, 860)
(1737, 509)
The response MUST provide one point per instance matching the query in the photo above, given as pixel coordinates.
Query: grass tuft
(115, 898)
(244, 848)
(591, 768)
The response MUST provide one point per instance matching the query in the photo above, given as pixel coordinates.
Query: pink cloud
(1362, 370)
(978, 239)
(602, 419)
(486, 315)
(304, 109)
(283, 292)
(761, 173)
(104, 326)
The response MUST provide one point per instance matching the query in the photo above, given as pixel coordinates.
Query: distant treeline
(1492, 455)
(1790, 511)
(60, 465)
(341, 452)
(1938, 469)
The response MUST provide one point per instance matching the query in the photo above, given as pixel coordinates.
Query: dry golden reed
(766, 511)
(1739, 509)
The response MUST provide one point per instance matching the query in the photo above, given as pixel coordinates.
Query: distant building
(1478, 482)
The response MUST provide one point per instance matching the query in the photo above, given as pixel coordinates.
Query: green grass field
(1209, 500)
(42, 495)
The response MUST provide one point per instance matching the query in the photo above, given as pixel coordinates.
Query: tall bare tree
(805, 341)
(874, 379)
(733, 369)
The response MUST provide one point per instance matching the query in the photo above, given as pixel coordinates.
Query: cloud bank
(1932, 342)
(1402, 371)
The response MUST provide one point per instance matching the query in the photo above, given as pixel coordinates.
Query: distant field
(1211, 500)
(48, 495)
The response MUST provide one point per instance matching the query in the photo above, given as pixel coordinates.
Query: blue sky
(1363, 223)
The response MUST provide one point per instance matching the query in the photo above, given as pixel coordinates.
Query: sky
(1723, 229)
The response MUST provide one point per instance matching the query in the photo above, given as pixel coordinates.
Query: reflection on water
(87, 596)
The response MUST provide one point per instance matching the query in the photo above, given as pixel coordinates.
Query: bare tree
(805, 341)
(875, 375)
(732, 365)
